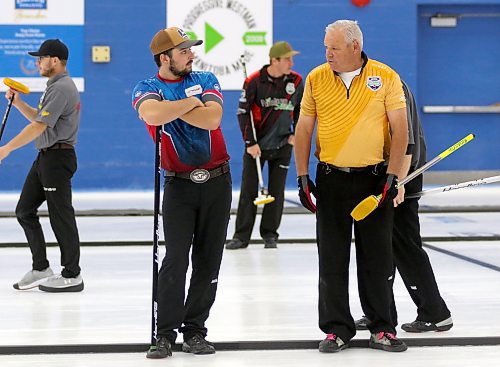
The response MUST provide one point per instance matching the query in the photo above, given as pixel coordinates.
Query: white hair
(351, 30)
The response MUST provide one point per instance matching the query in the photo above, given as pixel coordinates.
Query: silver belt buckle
(199, 175)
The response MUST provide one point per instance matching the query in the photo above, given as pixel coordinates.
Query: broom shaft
(435, 160)
(462, 185)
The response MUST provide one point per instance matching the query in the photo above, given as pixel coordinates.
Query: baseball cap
(54, 48)
(282, 49)
(171, 37)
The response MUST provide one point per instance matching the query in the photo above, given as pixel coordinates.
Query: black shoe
(387, 341)
(332, 344)
(270, 242)
(198, 345)
(162, 349)
(235, 244)
(422, 326)
(362, 323)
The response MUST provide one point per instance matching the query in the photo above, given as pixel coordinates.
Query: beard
(180, 72)
(47, 72)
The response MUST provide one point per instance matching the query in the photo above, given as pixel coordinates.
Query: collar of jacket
(265, 77)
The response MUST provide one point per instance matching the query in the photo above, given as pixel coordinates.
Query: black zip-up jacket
(416, 138)
(275, 107)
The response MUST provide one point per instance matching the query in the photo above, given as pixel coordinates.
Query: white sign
(233, 33)
(25, 24)
(55, 12)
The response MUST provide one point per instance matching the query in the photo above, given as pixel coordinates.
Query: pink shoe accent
(390, 336)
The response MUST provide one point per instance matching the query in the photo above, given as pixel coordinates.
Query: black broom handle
(156, 237)
(4, 121)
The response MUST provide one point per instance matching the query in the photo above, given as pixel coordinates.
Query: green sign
(254, 38)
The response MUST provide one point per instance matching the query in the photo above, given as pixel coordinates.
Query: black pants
(194, 216)
(278, 161)
(412, 261)
(338, 194)
(50, 179)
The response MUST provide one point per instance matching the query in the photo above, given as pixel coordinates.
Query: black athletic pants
(50, 180)
(338, 194)
(278, 161)
(412, 261)
(195, 217)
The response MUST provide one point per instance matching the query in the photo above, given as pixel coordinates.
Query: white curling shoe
(58, 283)
(33, 278)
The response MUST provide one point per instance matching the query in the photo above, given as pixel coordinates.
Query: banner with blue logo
(25, 24)
(31, 4)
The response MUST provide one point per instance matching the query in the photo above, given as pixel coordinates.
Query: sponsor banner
(31, 4)
(27, 27)
(42, 12)
(232, 31)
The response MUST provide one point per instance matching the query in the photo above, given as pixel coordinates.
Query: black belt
(200, 175)
(58, 146)
(373, 168)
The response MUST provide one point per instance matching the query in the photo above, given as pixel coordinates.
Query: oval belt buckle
(199, 175)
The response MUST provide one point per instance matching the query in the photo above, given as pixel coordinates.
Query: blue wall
(115, 151)
(459, 66)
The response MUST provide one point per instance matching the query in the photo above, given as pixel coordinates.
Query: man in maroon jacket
(272, 95)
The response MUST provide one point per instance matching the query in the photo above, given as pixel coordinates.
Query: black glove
(306, 188)
(390, 190)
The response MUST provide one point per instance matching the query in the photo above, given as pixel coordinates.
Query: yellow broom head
(11, 83)
(364, 208)
(263, 200)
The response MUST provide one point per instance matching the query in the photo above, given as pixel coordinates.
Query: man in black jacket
(410, 258)
(272, 95)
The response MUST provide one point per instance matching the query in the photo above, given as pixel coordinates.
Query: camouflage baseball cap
(282, 49)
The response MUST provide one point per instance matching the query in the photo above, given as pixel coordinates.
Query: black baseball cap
(52, 47)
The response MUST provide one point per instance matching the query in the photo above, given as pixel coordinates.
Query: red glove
(390, 190)
(306, 188)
